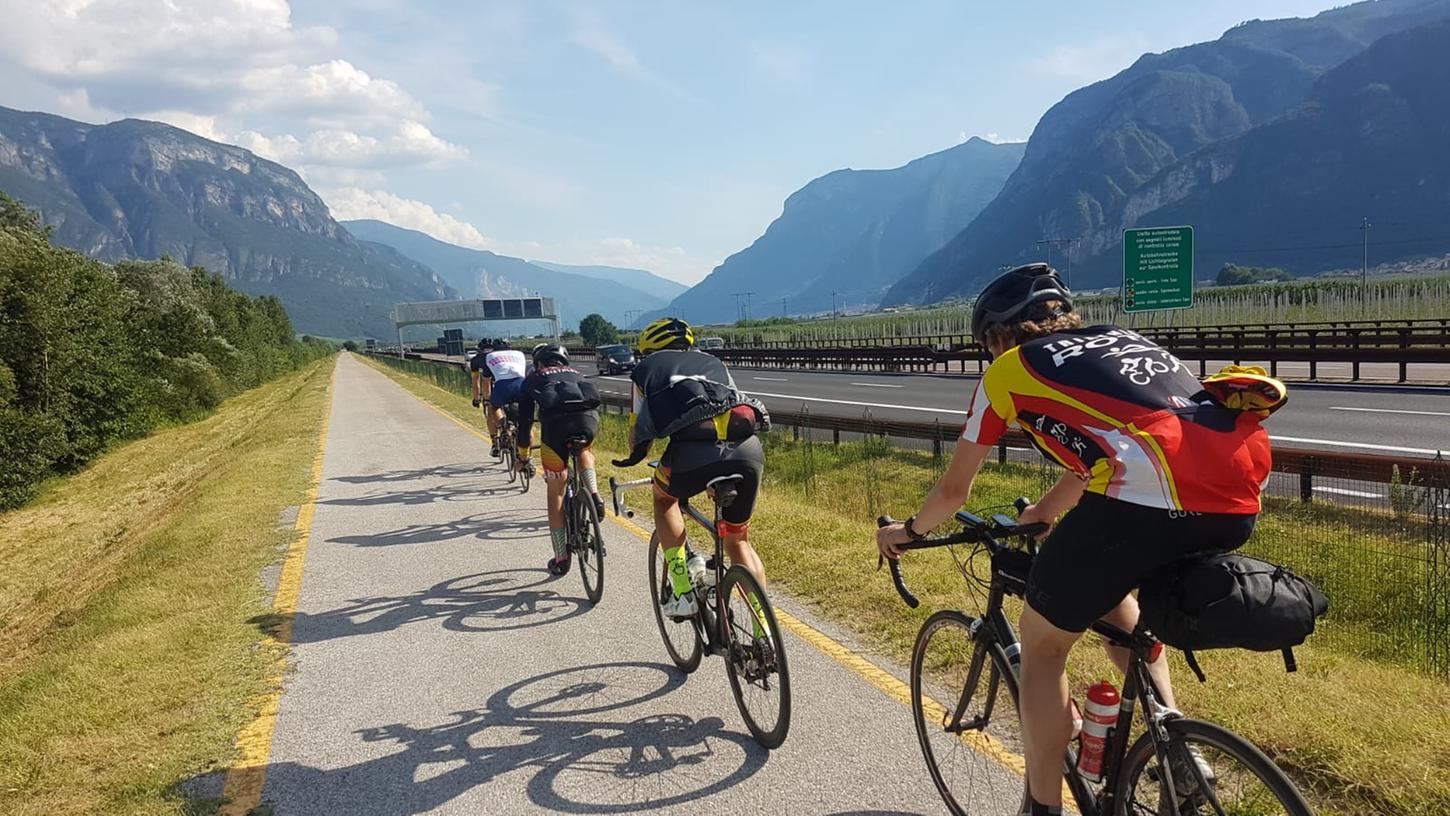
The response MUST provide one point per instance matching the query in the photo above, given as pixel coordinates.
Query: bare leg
(1046, 718)
(1125, 617)
(554, 501)
(494, 416)
(740, 552)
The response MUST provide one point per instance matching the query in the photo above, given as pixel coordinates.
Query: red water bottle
(1100, 715)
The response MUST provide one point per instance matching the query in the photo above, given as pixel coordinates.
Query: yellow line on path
(242, 790)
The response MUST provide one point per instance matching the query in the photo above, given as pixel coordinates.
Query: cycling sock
(679, 574)
(1039, 809)
(556, 535)
(757, 617)
(591, 481)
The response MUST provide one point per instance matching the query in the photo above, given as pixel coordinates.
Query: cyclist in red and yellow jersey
(1158, 468)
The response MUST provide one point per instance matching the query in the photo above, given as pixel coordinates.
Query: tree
(597, 331)
(1235, 275)
(347, 345)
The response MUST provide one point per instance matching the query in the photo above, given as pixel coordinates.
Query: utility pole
(782, 307)
(747, 305)
(739, 315)
(1067, 242)
(833, 303)
(1364, 268)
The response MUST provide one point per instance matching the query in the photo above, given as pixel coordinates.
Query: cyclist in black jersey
(568, 409)
(688, 397)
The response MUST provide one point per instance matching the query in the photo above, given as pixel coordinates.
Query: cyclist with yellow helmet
(689, 398)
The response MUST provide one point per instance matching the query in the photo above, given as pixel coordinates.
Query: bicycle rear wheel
(682, 638)
(975, 760)
(589, 546)
(759, 676)
(1241, 781)
(506, 450)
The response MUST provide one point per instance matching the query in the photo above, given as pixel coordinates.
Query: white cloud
(1092, 60)
(990, 136)
(353, 203)
(230, 70)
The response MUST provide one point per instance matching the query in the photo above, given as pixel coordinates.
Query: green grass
(1361, 735)
(127, 660)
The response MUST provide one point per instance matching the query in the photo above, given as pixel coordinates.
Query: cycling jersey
(500, 365)
(567, 405)
(688, 394)
(1126, 415)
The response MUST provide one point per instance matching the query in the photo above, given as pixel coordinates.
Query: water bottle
(1099, 717)
(695, 566)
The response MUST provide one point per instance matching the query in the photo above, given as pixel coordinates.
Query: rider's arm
(476, 377)
(1061, 498)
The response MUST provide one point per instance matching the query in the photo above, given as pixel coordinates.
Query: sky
(658, 135)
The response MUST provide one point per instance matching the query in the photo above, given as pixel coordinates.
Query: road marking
(771, 379)
(1344, 491)
(1360, 445)
(878, 385)
(861, 404)
(242, 788)
(1389, 411)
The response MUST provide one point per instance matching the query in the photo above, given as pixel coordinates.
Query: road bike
(733, 618)
(508, 433)
(581, 524)
(971, 739)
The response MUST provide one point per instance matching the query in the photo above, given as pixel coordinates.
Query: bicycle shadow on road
(486, 602)
(497, 525)
(458, 469)
(552, 727)
(426, 495)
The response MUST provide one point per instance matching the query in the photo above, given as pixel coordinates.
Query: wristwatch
(911, 532)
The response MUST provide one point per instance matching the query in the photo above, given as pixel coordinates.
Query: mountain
(480, 273)
(1096, 148)
(1370, 141)
(137, 189)
(854, 232)
(643, 280)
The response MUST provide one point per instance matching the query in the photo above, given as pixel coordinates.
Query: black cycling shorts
(1104, 548)
(687, 467)
(556, 431)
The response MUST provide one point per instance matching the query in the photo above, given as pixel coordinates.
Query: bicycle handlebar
(616, 487)
(975, 529)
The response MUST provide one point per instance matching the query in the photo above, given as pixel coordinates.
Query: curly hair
(1054, 319)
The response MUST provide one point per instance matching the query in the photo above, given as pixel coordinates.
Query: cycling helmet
(1012, 295)
(547, 355)
(667, 332)
(484, 344)
(501, 343)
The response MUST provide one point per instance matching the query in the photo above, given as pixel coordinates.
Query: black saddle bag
(1229, 601)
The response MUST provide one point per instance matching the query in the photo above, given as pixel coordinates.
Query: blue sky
(652, 134)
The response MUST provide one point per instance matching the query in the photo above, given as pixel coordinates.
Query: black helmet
(1012, 296)
(501, 343)
(484, 344)
(547, 355)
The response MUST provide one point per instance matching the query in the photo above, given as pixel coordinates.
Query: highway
(1409, 420)
(438, 668)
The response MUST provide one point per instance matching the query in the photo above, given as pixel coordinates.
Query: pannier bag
(1229, 601)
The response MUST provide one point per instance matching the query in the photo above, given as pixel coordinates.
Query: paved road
(1364, 419)
(438, 669)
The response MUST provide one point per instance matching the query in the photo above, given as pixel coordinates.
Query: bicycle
(508, 431)
(581, 523)
(949, 658)
(726, 622)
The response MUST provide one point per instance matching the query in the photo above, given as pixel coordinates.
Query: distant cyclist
(1158, 469)
(688, 397)
(568, 409)
(498, 375)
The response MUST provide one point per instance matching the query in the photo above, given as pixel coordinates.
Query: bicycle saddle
(724, 489)
(578, 441)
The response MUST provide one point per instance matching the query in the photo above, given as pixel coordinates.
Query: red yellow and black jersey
(1126, 415)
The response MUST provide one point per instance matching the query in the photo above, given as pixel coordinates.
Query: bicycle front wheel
(506, 451)
(759, 677)
(1213, 771)
(964, 702)
(682, 638)
(589, 546)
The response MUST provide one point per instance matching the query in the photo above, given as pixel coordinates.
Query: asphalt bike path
(438, 668)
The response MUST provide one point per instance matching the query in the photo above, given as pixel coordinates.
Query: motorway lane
(1346, 418)
(438, 669)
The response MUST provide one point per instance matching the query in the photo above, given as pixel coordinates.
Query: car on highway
(470, 354)
(614, 359)
(712, 343)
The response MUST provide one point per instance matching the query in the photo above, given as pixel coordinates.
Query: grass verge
(1361, 736)
(129, 664)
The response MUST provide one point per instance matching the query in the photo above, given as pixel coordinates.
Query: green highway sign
(1157, 269)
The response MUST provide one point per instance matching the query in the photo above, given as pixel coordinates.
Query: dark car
(614, 359)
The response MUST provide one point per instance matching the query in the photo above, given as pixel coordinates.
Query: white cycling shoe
(679, 607)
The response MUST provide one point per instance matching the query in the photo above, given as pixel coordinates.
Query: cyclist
(498, 375)
(1156, 471)
(688, 397)
(568, 407)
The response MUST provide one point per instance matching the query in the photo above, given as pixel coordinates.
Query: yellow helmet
(667, 332)
(1247, 388)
